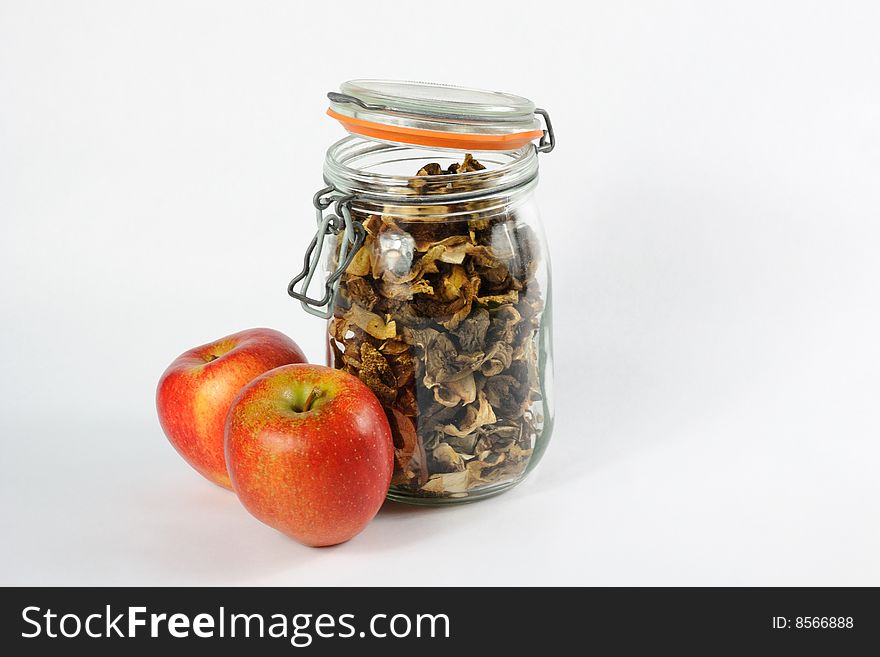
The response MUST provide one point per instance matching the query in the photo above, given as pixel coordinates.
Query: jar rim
(354, 165)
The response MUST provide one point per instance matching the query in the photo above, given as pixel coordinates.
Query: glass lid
(437, 115)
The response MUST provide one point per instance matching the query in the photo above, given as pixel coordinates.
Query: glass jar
(438, 297)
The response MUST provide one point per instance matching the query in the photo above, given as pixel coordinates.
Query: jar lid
(436, 115)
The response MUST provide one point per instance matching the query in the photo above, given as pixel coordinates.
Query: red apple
(197, 389)
(309, 452)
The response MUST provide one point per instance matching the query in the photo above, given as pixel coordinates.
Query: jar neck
(385, 173)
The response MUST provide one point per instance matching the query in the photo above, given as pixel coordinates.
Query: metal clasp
(548, 140)
(352, 239)
(336, 97)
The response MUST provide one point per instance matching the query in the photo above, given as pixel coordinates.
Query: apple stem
(310, 400)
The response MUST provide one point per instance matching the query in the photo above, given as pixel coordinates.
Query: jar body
(444, 312)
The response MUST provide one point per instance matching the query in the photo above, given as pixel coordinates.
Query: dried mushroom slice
(377, 373)
(357, 290)
(474, 418)
(469, 164)
(371, 323)
(471, 333)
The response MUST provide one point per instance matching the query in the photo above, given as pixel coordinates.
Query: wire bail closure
(352, 239)
(548, 140)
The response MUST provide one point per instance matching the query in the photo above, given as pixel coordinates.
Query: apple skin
(318, 474)
(196, 391)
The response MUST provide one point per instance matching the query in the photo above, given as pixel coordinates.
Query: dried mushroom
(440, 319)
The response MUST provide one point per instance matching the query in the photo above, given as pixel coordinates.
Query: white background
(712, 209)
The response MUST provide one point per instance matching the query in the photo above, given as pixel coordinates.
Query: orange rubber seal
(421, 137)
